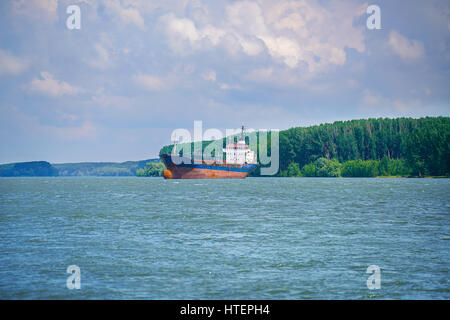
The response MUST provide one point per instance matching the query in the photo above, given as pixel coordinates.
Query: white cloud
(260, 75)
(146, 6)
(226, 86)
(280, 78)
(247, 17)
(406, 49)
(103, 60)
(128, 15)
(10, 64)
(285, 49)
(150, 82)
(294, 34)
(52, 87)
(209, 75)
(184, 35)
(67, 117)
(103, 51)
(370, 98)
(114, 101)
(35, 8)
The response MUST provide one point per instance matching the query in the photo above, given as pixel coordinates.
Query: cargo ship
(239, 162)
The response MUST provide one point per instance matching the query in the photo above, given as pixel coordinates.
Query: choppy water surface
(258, 238)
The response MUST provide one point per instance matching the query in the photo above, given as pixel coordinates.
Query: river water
(258, 238)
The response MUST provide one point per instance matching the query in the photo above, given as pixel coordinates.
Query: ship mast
(174, 149)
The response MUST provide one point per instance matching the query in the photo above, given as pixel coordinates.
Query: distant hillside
(43, 168)
(28, 169)
(127, 168)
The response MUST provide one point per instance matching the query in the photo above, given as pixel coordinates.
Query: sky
(115, 89)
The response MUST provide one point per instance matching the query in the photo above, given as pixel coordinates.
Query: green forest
(28, 169)
(152, 169)
(364, 148)
(128, 168)
(43, 168)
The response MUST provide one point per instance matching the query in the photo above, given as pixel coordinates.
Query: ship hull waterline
(183, 168)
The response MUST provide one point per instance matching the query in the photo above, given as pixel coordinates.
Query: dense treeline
(323, 167)
(28, 169)
(128, 168)
(152, 169)
(422, 145)
(43, 168)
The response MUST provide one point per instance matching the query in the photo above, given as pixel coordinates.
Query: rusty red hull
(203, 169)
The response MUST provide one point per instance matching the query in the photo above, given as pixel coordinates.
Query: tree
(293, 170)
(309, 170)
(322, 167)
(152, 169)
(428, 148)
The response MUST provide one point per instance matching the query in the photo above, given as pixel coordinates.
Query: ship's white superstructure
(239, 153)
